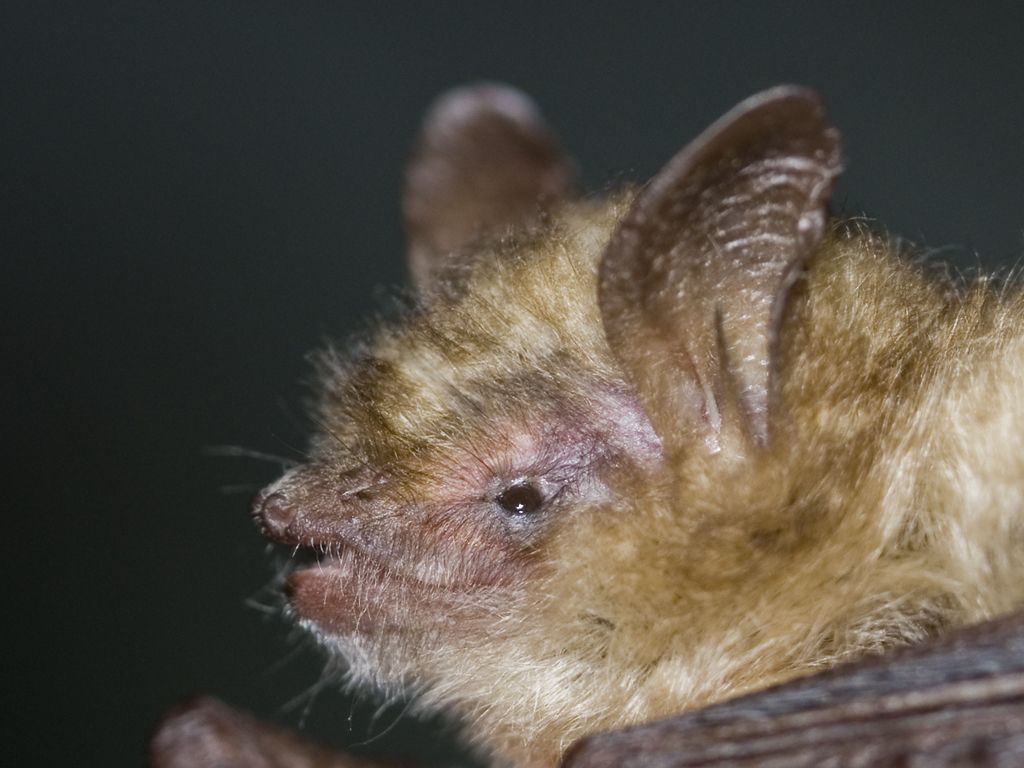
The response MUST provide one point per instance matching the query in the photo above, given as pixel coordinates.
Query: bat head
(517, 493)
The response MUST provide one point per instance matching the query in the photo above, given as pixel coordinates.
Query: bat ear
(693, 283)
(485, 162)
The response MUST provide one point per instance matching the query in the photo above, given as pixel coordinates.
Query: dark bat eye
(523, 498)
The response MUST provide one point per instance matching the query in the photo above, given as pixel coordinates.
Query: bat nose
(274, 513)
(313, 505)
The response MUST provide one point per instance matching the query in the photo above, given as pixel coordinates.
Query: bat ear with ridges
(694, 281)
(485, 163)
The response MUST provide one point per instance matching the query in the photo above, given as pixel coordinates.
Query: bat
(629, 456)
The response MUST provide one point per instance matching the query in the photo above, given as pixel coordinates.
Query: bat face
(629, 456)
(453, 450)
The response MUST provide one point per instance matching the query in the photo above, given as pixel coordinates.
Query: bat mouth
(345, 575)
(342, 590)
(330, 578)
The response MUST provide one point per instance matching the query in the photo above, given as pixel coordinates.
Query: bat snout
(274, 514)
(277, 510)
(311, 506)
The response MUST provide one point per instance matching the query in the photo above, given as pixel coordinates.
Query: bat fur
(631, 455)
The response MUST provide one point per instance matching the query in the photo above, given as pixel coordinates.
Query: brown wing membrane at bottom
(958, 701)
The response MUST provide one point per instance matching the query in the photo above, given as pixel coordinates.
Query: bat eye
(523, 498)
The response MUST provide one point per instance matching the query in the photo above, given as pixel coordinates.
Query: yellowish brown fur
(886, 506)
(619, 462)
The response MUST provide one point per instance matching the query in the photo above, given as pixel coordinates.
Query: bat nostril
(274, 514)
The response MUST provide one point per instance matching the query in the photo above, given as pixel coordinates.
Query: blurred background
(195, 194)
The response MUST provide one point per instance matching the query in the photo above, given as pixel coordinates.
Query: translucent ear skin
(485, 163)
(694, 281)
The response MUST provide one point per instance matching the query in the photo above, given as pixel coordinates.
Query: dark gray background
(195, 193)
